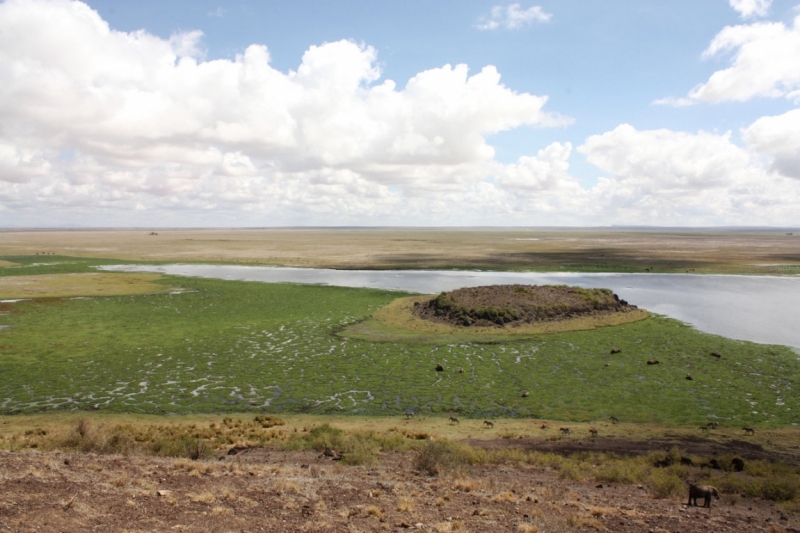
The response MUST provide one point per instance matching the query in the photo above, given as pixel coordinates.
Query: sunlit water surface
(763, 309)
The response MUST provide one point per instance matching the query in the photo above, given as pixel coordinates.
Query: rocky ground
(266, 490)
(501, 305)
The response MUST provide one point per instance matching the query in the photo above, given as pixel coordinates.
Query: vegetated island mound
(494, 313)
(515, 305)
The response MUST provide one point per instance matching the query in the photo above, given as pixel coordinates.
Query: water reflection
(757, 308)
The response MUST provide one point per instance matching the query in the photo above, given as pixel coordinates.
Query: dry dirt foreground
(757, 251)
(263, 490)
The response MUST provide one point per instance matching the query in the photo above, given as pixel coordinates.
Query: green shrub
(666, 484)
(572, 470)
(780, 488)
(361, 449)
(626, 471)
(442, 456)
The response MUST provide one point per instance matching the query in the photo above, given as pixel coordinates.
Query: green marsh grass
(229, 346)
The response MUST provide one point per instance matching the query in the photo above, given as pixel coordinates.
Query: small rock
(163, 492)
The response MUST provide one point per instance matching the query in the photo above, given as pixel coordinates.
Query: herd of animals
(704, 492)
(409, 414)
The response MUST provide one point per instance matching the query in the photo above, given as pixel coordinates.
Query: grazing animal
(564, 431)
(333, 454)
(689, 377)
(526, 394)
(749, 431)
(653, 362)
(454, 420)
(461, 370)
(440, 367)
(702, 491)
(704, 428)
(737, 464)
(614, 419)
(716, 354)
(615, 350)
(409, 414)
(593, 433)
(489, 423)
(713, 425)
(544, 426)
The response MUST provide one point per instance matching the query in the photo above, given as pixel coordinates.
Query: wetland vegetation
(227, 346)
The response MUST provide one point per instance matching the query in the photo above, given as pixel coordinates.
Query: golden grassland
(438, 447)
(6, 263)
(86, 284)
(236, 429)
(396, 321)
(674, 250)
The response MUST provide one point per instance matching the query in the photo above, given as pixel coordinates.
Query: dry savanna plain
(147, 402)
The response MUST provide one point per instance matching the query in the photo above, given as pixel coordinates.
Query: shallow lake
(763, 309)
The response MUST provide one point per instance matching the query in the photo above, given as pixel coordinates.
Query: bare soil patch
(514, 305)
(265, 490)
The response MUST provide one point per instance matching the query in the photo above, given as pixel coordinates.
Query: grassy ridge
(665, 473)
(225, 346)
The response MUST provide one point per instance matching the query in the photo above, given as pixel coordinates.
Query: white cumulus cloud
(778, 138)
(512, 16)
(750, 8)
(127, 119)
(765, 63)
(102, 127)
(680, 178)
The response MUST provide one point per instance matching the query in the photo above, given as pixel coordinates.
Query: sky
(399, 113)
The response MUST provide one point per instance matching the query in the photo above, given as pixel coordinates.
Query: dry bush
(599, 512)
(456, 526)
(468, 485)
(269, 421)
(121, 480)
(505, 496)
(374, 510)
(579, 522)
(285, 486)
(203, 497)
(405, 504)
